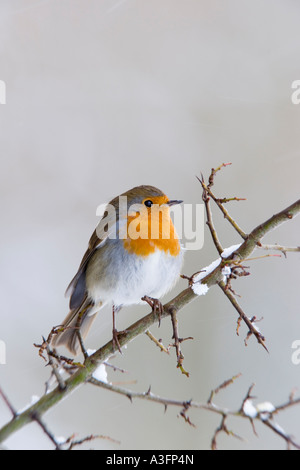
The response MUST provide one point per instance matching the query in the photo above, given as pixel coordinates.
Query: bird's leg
(115, 332)
(78, 333)
(156, 305)
(82, 347)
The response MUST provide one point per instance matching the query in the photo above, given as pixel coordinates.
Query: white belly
(126, 282)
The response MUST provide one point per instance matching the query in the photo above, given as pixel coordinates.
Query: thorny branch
(220, 202)
(81, 373)
(284, 249)
(250, 322)
(263, 413)
(234, 261)
(177, 343)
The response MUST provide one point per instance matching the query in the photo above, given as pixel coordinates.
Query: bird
(134, 255)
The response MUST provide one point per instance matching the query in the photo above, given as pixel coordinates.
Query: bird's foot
(156, 305)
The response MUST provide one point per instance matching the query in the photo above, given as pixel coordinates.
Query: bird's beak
(173, 202)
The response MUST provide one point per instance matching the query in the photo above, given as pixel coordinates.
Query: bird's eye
(148, 203)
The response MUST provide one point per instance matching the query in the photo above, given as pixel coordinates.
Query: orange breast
(148, 233)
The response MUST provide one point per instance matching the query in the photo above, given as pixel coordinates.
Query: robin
(134, 255)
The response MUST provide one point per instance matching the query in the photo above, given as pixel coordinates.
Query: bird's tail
(78, 319)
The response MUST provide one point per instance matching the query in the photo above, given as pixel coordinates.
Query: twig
(247, 397)
(7, 402)
(280, 432)
(284, 249)
(209, 222)
(49, 434)
(220, 202)
(227, 216)
(289, 404)
(222, 386)
(157, 342)
(219, 430)
(250, 323)
(90, 438)
(183, 414)
(224, 200)
(115, 368)
(177, 341)
(214, 171)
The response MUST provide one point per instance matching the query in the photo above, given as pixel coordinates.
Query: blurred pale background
(103, 95)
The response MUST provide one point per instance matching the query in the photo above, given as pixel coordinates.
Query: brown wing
(93, 243)
(77, 288)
